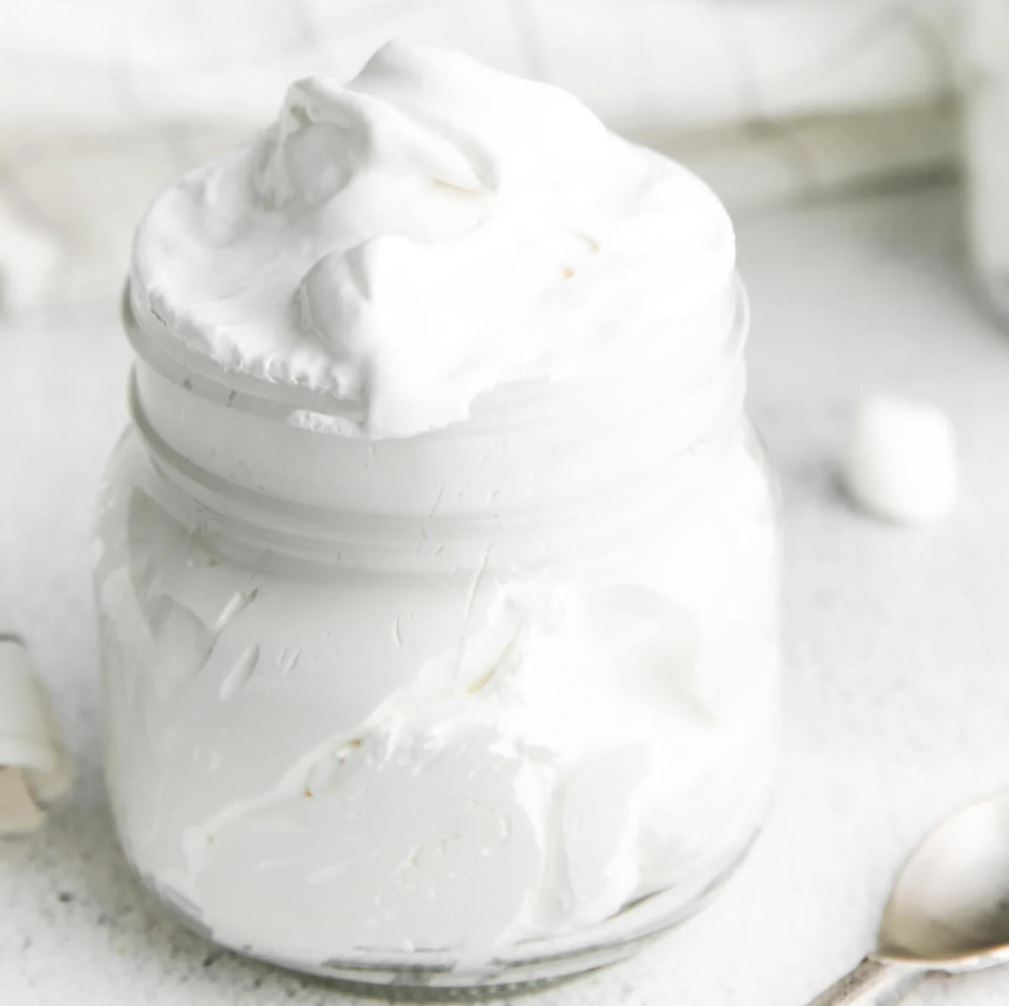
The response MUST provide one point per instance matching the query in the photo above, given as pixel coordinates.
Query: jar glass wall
(476, 708)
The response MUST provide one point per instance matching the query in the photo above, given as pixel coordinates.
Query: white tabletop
(897, 684)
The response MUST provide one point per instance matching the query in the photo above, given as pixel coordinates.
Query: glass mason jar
(481, 707)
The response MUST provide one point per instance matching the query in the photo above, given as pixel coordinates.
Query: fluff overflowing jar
(438, 568)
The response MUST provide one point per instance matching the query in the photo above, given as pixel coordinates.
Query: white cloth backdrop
(102, 102)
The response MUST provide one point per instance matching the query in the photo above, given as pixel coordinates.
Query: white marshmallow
(901, 460)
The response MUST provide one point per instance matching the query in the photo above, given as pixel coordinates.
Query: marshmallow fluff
(438, 570)
(415, 237)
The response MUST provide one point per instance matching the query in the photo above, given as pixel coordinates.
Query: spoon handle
(871, 983)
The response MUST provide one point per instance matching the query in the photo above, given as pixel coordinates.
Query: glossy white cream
(417, 236)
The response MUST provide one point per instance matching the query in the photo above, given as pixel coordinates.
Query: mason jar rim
(536, 473)
(514, 401)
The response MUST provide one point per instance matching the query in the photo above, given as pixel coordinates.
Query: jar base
(525, 968)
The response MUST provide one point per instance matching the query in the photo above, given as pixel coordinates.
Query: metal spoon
(949, 910)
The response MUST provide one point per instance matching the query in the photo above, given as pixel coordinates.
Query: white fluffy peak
(411, 239)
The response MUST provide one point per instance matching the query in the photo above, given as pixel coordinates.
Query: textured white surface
(493, 217)
(898, 644)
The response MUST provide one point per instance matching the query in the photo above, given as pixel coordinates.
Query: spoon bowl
(949, 910)
(950, 906)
